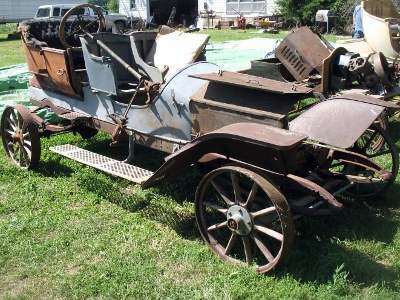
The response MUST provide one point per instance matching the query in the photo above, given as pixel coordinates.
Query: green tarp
(14, 89)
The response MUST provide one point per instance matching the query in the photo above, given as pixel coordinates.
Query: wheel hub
(17, 136)
(239, 220)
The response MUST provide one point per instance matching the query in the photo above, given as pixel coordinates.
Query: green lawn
(68, 231)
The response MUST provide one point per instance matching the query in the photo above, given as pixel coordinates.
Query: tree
(302, 12)
(344, 10)
(113, 5)
(110, 5)
(102, 3)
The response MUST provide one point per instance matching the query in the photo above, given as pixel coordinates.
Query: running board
(103, 163)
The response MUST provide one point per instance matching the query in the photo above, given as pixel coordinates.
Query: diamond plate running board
(103, 163)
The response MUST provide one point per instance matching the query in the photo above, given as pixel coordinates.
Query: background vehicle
(26, 9)
(59, 10)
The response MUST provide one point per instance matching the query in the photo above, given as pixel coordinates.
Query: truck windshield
(79, 12)
(43, 13)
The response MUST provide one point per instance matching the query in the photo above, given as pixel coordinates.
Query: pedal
(104, 163)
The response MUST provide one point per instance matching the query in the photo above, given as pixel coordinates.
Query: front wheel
(20, 135)
(243, 217)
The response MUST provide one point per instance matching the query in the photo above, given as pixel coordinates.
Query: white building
(231, 8)
(187, 10)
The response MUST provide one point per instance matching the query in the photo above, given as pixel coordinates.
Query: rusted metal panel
(52, 64)
(217, 104)
(367, 99)
(271, 148)
(270, 68)
(267, 136)
(207, 116)
(301, 52)
(254, 82)
(324, 122)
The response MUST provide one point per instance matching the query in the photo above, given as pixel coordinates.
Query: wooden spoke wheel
(377, 145)
(79, 25)
(20, 135)
(243, 217)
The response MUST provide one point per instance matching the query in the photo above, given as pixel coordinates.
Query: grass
(68, 231)
(229, 35)
(11, 52)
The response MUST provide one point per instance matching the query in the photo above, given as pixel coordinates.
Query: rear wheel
(20, 135)
(243, 217)
(377, 145)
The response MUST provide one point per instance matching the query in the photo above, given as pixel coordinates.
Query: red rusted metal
(256, 83)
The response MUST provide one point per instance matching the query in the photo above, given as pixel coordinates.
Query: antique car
(261, 169)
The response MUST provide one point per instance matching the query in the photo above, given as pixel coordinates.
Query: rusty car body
(261, 169)
(326, 69)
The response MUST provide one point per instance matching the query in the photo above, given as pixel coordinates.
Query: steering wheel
(80, 24)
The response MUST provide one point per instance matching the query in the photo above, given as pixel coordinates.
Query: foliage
(302, 12)
(113, 6)
(344, 10)
(102, 3)
(110, 5)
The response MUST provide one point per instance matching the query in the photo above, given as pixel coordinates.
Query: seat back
(176, 50)
(99, 63)
(100, 70)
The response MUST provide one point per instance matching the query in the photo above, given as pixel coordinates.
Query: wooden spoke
(231, 243)
(216, 207)
(252, 195)
(236, 188)
(222, 193)
(218, 226)
(276, 235)
(11, 123)
(268, 255)
(247, 249)
(263, 212)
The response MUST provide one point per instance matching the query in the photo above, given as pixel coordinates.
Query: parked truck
(26, 9)
(59, 10)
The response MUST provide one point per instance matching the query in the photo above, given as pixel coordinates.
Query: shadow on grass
(322, 244)
(353, 238)
(170, 203)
